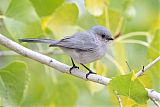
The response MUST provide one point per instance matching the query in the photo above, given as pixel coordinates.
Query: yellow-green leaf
(132, 89)
(46, 7)
(63, 20)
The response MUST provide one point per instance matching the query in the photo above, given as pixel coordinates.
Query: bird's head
(103, 33)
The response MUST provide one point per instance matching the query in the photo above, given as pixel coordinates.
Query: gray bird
(83, 47)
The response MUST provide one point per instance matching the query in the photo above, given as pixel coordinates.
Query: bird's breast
(86, 56)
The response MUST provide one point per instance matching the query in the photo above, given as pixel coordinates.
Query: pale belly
(85, 57)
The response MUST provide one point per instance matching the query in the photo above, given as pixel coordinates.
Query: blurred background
(137, 22)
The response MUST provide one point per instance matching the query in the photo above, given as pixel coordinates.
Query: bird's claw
(72, 68)
(90, 72)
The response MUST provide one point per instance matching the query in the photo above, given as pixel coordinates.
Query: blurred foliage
(29, 83)
(11, 75)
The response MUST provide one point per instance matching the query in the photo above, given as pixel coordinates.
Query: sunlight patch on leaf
(95, 7)
(44, 22)
(133, 76)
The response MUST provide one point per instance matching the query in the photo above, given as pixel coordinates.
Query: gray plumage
(83, 47)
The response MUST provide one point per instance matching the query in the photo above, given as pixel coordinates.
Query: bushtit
(83, 47)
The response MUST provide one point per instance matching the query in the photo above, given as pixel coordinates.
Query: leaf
(46, 7)
(13, 80)
(127, 102)
(127, 87)
(86, 20)
(63, 20)
(133, 76)
(20, 19)
(95, 7)
(119, 6)
(65, 93)
(115, 21)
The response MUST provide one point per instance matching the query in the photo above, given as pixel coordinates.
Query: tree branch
(63, 67)
(147, 67)
(119, 99)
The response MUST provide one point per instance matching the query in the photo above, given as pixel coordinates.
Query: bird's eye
(103, 36)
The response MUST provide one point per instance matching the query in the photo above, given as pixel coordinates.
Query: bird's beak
(110, 39)
(51, 45)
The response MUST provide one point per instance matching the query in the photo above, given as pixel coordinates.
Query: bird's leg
(90, 71)
(73, 66)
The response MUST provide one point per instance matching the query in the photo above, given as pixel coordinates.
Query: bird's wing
(81, 41)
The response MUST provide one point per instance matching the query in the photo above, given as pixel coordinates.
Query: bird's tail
(49, 41)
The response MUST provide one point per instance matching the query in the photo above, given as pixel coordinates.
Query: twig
(63, 67)
(119, 99)
(147, 67)
(155, 102)
(153, 94)
(128, 66)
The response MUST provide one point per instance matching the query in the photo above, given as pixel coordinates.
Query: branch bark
(147, 67)
(65, 68)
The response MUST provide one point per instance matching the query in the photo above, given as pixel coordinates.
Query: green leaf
(115, 21)
(46, 7)
(65, 93)
(63, 20)
(13, 79)
(119, 6)
(86, 20)
(20, 19)
(126, 86)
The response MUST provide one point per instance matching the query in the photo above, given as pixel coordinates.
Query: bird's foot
(90, 72)
(73, 67)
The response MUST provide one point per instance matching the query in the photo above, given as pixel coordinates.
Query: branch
(147, 67)
(119, 99)
(63, 67)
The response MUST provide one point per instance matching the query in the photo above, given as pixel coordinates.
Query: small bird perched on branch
(83, 47)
